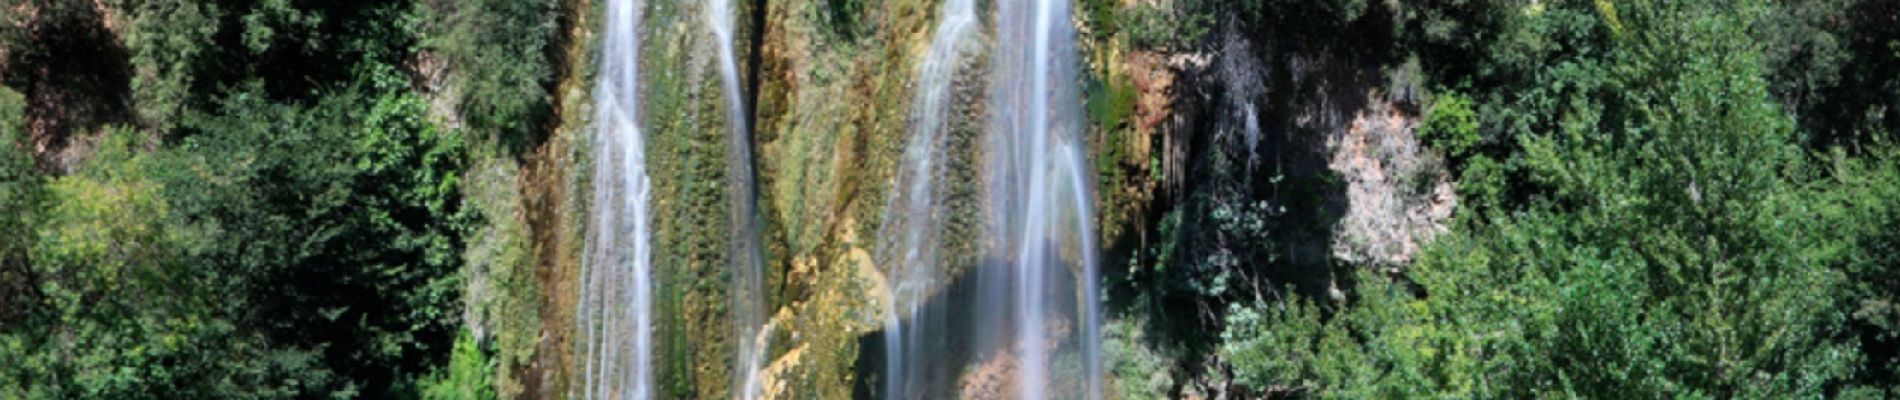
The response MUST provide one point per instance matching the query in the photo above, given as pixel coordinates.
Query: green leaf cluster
(469, 375)
(1647, 224)
(187, 55)
(277, 251)
(497, 57)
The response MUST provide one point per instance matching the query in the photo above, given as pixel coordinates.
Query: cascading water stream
(615, 310)
(748, 265)
(909, 243)
(1039, 192)
(1240, 74)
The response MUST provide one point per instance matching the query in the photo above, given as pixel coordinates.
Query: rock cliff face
(1325, 137)
(1397, 194)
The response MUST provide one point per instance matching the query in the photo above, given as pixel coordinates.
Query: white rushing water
(909, 240)
(615, 310)
(1040, 193)
(747, 257)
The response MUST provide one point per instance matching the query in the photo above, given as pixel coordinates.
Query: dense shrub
(20, 189)
(1662, 240)
(287, 223)
(357, 204)
(187, 54)
(469, 375)
(279, 251)
(498, 56)
(124, 310)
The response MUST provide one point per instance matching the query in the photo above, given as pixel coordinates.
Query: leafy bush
(1863, 207)
(1385, 345)
(1139, 371)
(123, 309)
(20, 195)
(498, 62)
(1156, 27)
(357, 203)
(469, 375)
(1111, 101)
(301, 235)
(845, 18)
(1833, 65)
(169, 40)
(1451, 125)
(1664, 240)
(186, 55)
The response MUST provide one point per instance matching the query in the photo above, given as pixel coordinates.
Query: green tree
(288, 224)
(1664, 241)
(169, 40)
(1834, 65)
(341, 223)
(497, 55)
(1864, 195)
(123, 312)
(469, 375)
(20, 189)
(187, 54)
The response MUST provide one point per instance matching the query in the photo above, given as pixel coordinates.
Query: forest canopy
(267, 210)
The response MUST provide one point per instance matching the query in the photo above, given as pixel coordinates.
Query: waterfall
(913, 219)
(1039, 196)
(1240, 73)
(747, 257)
(615, 309)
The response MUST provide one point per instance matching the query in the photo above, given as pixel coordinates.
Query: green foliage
(1453, 37)
(124, 311)
(1832, 64)
(1323, 12)
(1451, 125)
(1678, 265)
(187, 54)
(1385, 345)
(1236, 236)
(1157, 27)
(360, 197)
(1483, 183)
(1139, 371)
(469, 375)
(105, 230)
(1273, 347)
(1207, 254)
(1111, 102)
(1804, 47)
(20, 189)
(498, 60)
(289, 225)
(1104, 18)
(279, 251)
(505, 295)
(169, 39)
(1864, 199)
(1651, 232)
(845, 19)
(106, 247)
